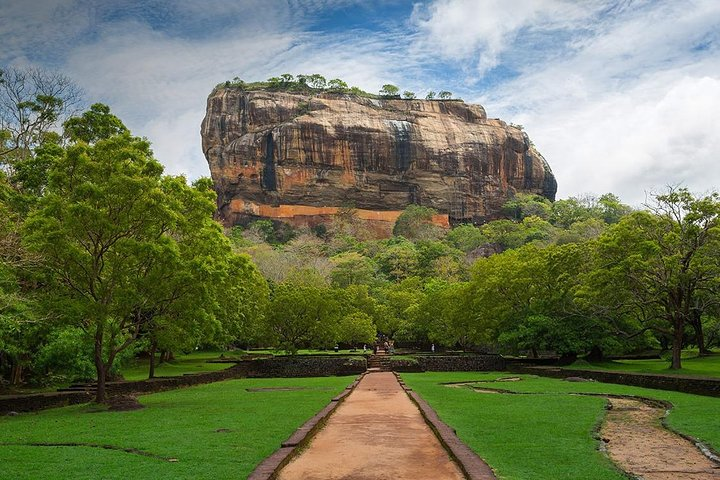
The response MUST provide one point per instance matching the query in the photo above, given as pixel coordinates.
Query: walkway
(376, 433)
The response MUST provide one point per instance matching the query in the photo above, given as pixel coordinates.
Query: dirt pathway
(639, 444)
(377, 433)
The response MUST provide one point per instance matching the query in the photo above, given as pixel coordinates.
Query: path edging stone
(469, 462)
(270, 466)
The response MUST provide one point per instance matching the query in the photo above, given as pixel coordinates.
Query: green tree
(408, 95)
(416, 223)
(398, 308)
(356, 328)
(657, 264)
(300, 315)
(114, 237)
(612, 209)
(466, 238)
(569, 211)
(317, 81)
(352, 268)
(398, 260)
(93, 125)
(389, 90)
(445, 95)
(430, 95)
(337, 85)
(177, 297)
(524, 205)
(242, 301)
(32, 102)
(444, 312)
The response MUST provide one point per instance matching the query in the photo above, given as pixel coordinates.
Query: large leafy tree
(123, 246)
(356, 328)
(443, 309)
(663, 265)
(301, 314)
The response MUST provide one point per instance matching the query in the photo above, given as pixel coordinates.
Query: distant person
(364, 348)
(337, 348)
(432, 348)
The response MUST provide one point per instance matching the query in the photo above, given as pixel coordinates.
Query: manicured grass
(181, 424)
(692, 364)
(548, 436)
(194, 362)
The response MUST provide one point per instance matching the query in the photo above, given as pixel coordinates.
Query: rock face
(299, 158)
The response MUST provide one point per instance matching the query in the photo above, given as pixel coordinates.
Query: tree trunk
(166, 356)
(678, 330)
(153, 349)
(696, 322)
(99, 366)
(16, 374)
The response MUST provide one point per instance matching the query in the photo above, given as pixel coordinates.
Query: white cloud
(30, 27)
(632, 108)
(158, 83)
(469, 28)
(633, 142)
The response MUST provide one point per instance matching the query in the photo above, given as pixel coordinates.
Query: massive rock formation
(301, 157)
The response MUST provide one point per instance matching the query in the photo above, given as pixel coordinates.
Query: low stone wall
(461, 363)
(679, 383)
(449, 363)
(404, 365)
(304, 366)
(41, 401)
(160, 384)
(544, 361)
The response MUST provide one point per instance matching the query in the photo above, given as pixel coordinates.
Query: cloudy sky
(620, 96)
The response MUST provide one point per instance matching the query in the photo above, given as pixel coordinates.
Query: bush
(68, 353)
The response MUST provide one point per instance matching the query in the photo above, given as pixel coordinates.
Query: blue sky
(620, 96)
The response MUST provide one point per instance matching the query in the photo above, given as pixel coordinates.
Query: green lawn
(194, 362)
(179, 424)
(692, 364)
(548, 436)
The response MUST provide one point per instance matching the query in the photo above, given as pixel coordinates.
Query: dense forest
(104, 257)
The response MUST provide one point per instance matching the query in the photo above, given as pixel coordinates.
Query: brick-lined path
(377, 433)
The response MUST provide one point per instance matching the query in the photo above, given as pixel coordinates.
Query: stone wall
(679, 383)
(461, 363)
(449, 363)
(41, 401)
(304, 366)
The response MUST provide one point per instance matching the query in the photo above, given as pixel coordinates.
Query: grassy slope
(548, 436)
(708, 366)
(181, 424)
